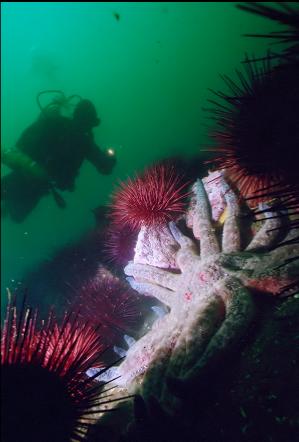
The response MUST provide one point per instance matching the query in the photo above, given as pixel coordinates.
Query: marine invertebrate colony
(46, 395)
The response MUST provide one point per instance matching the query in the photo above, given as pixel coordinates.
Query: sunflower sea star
(208, 295)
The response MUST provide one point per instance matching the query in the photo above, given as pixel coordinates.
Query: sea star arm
(145, 288)
(187, 254)
(154, 275)
(269, 232)
(231, 230)
(202, 222)
(203, 323)
(239, 314)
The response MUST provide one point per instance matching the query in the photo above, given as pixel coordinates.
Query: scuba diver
(49, 154)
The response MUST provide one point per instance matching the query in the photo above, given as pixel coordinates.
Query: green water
(147, 73)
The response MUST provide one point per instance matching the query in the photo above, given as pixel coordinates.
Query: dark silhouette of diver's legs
(20, 195)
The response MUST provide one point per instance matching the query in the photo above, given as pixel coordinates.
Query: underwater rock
(155, 247)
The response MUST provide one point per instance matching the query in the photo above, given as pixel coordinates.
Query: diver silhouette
(49, 153)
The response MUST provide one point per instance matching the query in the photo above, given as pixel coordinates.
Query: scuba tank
(23, 164)
(17, 160)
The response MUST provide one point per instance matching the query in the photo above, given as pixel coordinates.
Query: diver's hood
(85, 114)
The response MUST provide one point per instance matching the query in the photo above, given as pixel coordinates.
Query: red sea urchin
(107, 303)
(152, 198)
(119, 244)
(257, 137)
(46, 395)
(257, 133)
(284, 13)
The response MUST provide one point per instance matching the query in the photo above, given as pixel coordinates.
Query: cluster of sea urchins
(46, 395)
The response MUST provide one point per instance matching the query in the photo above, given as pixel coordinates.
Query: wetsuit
(60, 147)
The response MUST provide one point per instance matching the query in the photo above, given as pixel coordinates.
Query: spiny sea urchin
(152, 198)
(257, 135)
(63, 272)
(119, 245)
(107, 303)
(46, 395)
(286, 14)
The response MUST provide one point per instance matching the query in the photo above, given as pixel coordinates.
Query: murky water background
(146, 66)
